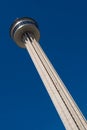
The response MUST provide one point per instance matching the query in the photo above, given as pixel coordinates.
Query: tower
(25, 33)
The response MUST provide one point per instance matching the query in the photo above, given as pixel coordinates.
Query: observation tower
(25, 32)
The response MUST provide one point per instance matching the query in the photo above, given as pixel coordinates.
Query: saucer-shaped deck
(22, 26)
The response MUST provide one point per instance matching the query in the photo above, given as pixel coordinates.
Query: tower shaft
(66, 107)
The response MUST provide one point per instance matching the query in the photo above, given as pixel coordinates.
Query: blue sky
(24, 102)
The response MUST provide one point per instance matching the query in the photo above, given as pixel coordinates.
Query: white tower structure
(25, 33)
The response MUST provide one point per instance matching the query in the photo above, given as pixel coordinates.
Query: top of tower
(21, 26)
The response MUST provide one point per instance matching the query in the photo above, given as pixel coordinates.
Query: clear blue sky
(24, 102)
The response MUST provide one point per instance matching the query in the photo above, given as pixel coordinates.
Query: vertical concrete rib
(64, 92)
(54, 89)
(49, 86)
